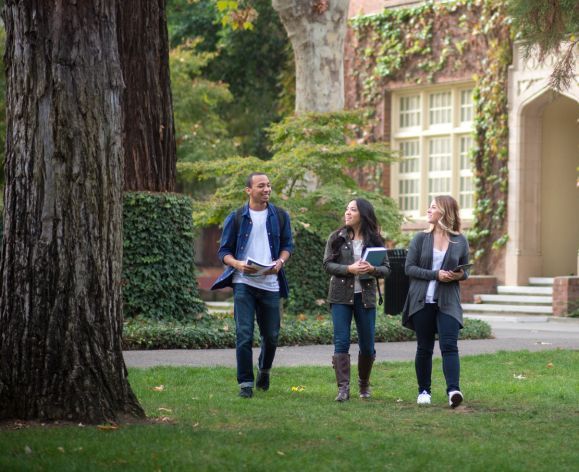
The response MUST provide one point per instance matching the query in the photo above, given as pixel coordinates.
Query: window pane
(410, 111)
(466, 106)
(409, 173)
(439, 167)
(439, 155)
(466, 192)
(440, 108)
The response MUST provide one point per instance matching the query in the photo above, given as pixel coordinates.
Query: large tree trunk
(148, 128)
(317, 29)
(60, 306)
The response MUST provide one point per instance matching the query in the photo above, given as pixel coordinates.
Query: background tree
(60, 293)
(552, 27)
(249, 62)
(317, 30)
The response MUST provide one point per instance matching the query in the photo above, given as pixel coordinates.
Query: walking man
(259, 231)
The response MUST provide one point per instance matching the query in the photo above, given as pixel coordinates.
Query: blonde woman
(433, 302)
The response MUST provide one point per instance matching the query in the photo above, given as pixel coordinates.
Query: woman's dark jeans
(427, 322)
(365, 324)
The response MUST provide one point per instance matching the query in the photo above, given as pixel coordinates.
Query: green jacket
(342, 282)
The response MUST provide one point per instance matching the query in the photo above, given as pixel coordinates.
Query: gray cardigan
(419, 268)
(342, 282)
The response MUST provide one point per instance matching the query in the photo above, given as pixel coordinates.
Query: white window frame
(423, 134)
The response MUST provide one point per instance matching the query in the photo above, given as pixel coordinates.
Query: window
(440, 108)
(409, 111)
(432, 133)
(466, 193)
(466, 106)
(409, 183)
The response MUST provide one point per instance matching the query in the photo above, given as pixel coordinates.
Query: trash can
(396, 285)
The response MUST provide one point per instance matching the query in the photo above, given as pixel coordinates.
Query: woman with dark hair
(433, 302)
(352, 292)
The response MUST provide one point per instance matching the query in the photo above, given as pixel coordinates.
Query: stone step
(515, 299)
(541, 281)
(472, 308)
(216, 307)
(523, 290)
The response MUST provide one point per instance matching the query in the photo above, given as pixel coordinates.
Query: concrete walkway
(532, 333)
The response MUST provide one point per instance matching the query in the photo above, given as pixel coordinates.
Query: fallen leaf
(299, 388)
(225, 328)
(519, 376)
(165, 409)
(550, 365)
(195, 425)
(165, 419)
(399, 400)
(159, 388)
(279, 453)
(107, 427)
(27, 450)
(61, 449)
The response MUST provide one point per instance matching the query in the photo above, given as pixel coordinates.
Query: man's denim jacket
(235, 243)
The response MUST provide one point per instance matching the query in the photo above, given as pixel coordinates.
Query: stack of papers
(262, 268)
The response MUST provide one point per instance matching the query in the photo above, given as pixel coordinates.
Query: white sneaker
(423, 398)
(455, 398)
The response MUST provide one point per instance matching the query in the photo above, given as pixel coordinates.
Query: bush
(306, 276)
(219, 332)
(158, 261)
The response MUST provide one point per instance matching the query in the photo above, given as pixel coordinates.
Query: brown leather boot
(365, 363)
(341, 363)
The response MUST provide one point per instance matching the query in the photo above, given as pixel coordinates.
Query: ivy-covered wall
(158, 261)
(439, 43)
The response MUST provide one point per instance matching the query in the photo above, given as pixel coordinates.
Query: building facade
(430, 107)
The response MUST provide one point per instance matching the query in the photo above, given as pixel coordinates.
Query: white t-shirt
(357, 249)
(437, 258)
(258, 249)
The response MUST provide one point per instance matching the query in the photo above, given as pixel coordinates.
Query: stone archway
(543, 127)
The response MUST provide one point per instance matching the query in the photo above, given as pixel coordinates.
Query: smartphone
(462, 267)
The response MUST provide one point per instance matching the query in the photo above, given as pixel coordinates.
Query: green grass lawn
(521, 412)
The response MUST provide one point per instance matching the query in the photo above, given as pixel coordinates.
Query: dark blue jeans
(365, 323)
(428, 322)
(250, 304)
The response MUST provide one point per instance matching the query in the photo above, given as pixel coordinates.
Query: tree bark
(148, 128)
(317, 29)
(60, 292)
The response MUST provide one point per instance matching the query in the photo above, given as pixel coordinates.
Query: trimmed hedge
(306, 276)
(219, 332)
(159, 280)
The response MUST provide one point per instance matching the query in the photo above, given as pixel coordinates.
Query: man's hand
(275, 269)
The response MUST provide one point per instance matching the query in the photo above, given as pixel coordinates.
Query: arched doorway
(559, 212)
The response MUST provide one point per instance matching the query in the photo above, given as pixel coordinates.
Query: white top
(437, 258)
(258, 249)
(357, 249)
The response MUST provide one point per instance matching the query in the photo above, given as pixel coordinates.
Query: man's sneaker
(455, 398)
(246, 392)
(262, 382)
(423, 398)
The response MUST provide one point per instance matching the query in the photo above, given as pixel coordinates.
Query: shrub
(219, 332)
(307, 279)
(158, 261)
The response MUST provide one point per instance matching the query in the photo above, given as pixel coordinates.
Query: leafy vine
(434, 43)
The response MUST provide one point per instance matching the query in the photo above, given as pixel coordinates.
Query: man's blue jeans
(427, 322)
(252, 304)
(365, 323)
